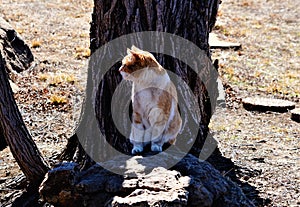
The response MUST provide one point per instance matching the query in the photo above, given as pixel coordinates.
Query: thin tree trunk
(16, 56)
(16, 134)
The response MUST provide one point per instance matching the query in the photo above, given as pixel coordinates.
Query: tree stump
(216, 43)
(267, 104)
(16, 54)
(295, 114)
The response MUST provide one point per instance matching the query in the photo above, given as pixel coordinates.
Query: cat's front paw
(156, 148)
(136, 150)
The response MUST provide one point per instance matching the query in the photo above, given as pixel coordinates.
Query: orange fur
(155, 118)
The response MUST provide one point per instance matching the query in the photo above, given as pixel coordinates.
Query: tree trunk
(3, 143)
(16, 134)
(16, 56)
(192, 20)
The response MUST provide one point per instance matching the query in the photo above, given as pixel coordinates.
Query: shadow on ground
(235, 173)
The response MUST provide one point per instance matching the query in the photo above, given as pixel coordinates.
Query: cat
(155, 117)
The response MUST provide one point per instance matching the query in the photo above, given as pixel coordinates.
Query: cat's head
(136, 61)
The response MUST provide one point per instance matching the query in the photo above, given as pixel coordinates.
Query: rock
(152, 190)
(65, 176)
(190, 182)
(267, 104)
(216, 43)
(16, 54)
(295, 114)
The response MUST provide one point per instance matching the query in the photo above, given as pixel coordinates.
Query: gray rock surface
(190, 182)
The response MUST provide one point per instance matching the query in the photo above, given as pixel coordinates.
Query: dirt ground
(263, 146)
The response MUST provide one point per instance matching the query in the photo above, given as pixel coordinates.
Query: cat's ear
(135, 53)
(134, 48)
(132, 51)
(128, 51)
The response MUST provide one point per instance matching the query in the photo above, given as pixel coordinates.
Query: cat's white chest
(143, 99)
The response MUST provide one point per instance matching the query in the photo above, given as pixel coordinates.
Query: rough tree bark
(192, 20)
(16, 134)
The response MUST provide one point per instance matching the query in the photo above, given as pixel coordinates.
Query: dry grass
(57, 78)
(81, 53)
(58, 100)
(36, 44)
(269, 61)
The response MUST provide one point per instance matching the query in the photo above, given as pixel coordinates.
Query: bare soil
(263, 146)
(266, 144)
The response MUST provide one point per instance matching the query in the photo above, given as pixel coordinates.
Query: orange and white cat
(155, 117)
